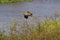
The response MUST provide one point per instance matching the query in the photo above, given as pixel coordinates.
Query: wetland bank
(12, 21)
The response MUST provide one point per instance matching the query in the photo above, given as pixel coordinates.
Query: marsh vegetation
(14, 1)
(47, 30)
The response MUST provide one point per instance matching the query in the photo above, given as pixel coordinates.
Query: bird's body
(26, 14)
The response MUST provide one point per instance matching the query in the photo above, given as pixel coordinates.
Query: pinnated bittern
(27, 14)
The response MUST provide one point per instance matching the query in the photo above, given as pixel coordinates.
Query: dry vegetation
(47, 30)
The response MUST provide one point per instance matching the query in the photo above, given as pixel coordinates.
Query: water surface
(39, 8)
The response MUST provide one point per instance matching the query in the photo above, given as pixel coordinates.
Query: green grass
(13, 1)
(47, 30)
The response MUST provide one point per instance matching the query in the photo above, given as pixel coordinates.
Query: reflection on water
(39, 8)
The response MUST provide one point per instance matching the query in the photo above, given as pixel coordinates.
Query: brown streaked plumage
(27, 14)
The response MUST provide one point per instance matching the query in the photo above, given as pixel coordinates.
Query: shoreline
(13, 1)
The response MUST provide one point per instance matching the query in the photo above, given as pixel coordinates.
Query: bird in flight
(27, 14)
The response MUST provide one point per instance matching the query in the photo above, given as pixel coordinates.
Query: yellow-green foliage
(13, 1)
(47, 30)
